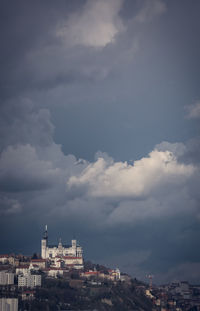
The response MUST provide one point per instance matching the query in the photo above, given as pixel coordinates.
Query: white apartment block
(29, 280)
(8, 304)
(6, 278)
(22, 269)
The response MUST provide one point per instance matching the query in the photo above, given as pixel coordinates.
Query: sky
(100, 131)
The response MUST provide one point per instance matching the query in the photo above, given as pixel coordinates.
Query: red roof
(4, 256)
(28, 292)
(70, 257)
(54, 268)
(91, 272)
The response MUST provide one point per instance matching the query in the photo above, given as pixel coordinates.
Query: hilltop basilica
(72, 253)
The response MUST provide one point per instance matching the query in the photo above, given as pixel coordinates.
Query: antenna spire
(45, 233)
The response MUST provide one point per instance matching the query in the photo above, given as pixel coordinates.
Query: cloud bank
(38, 180)
(140, 179)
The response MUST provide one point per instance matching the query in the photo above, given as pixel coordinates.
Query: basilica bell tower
(44, 244)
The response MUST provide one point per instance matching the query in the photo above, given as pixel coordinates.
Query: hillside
(75, 294)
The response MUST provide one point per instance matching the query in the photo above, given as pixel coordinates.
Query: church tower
(44, 244)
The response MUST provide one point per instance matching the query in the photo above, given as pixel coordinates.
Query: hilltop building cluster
(22, 274)
(60, 255)
(52, 251)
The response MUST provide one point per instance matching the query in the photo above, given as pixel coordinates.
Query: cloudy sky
(100, 131)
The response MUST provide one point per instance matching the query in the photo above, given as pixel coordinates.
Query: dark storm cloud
(9, 206)
(22, 170)
(25, 28)
(22, 123)
(101, 75)
(63, 47)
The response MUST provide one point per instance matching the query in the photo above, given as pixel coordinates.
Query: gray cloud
(21, 122)
(22, 170)
(150, 10)
(96, 26)
(193, 111)
(47, 58)
(9, 206)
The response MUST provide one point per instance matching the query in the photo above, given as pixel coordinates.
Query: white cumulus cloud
(120, 179)
(96, 25)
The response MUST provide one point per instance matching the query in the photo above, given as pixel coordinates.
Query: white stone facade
(70, 260)
(54, 272)
(49, 252)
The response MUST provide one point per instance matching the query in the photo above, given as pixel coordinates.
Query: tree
(34, 256)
